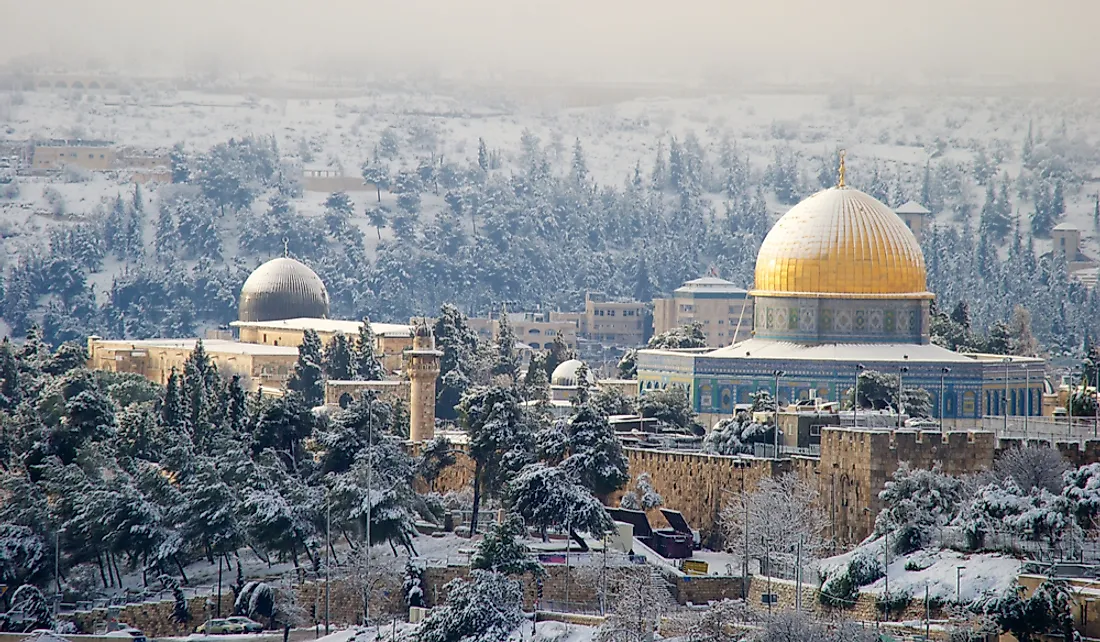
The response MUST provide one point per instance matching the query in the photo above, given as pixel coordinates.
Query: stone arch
(61, 84)
(77, 85)
(93, 85)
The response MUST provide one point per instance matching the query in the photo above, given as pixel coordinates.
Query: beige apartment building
(391, 339)
(723, 310)
(94, 155)
(259, 365)
(620, 323)
(532, 328)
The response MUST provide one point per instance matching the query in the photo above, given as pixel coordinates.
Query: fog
(580, 39)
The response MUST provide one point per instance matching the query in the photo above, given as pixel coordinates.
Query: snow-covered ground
(981, 574)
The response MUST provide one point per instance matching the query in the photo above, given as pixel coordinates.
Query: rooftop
(219, 346)
(1065, 227)
(912, 207)
(869, 352)
(710, 285)
(328, 325)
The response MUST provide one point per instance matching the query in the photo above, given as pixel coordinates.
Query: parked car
(250, 625)
(124, 630)
(219, 627)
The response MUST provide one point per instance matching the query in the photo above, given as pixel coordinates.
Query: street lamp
(958, 584)
(1004, 403)
(943, 375)
(777, 374)
(901, 373)
(1027, 403)
(855, 400)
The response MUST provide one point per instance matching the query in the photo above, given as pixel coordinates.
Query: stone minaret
(422, 365)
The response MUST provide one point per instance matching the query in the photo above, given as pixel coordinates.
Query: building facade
(619, 323)
(532, 328)
(391, 339)
(723, 310)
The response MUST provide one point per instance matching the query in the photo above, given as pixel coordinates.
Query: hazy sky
(607, 38)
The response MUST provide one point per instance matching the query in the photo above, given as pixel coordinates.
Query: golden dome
(841, 243)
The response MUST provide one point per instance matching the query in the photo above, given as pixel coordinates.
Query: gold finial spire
(286, 241)
(840, 178)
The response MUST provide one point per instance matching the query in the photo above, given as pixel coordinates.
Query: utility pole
(927, 613)
(778, 374)
(328, 549)
(370, 502)
(768, 564)
(958, 584)
(886, 566)
(855, 398)
(943, 399)
(1004, 404)
(798, 576)
(745, 574)
(218, 609)
(901, 373)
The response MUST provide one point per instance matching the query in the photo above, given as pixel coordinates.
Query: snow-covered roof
(709, 284)
(871, 352)
(328, 325)
(911, 207)
(220, 346)
(1065, 227)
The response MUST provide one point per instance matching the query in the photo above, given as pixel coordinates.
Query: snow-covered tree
(435, 457)
(338, 359)
(1048, 612)
(680, 337)
(412, 586)
(547, 496)
(781, 512)
(643, 496)
(671, 407)
(485, 608)
(502, 550)
(458, 367)
(36, 613)
(596, 458)
(916, 503)
(307, 378)
(737, 434)
(1032, 467)
(637, 600)
(506, 362)
(287, 612)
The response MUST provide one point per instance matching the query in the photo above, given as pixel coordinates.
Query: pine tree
(502, 551)
(1029, 146)
(659, 175)
(459, 363)
(507, 358)
(171, 410)
(367, 367)
(338, 359)
(308, 378)
(596, 456)
(579, 169)
(167, 235)
(643, 285)
(236, 407)
(482, 155)
(559, 353)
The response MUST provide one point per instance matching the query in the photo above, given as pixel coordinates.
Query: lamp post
(958, 584)
(943, 407)
(328, 548)
(370, 505)
(1004, 404)
(1027, 404)
(855, 399)
(901, 373)
(777, 374)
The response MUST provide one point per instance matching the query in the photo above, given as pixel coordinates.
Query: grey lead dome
(280, 289)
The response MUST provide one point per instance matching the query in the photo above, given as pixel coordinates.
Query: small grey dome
(280, 289)
(566, 374)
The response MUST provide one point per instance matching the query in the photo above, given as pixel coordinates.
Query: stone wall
(864, 609)
(155, 618)
(575, 584)
(856, 464)
(698, 484)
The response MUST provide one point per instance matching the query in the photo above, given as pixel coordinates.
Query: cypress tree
(338, 359)
(367, 366)
(308, 377)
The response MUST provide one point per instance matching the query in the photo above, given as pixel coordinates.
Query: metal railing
(1045, 429)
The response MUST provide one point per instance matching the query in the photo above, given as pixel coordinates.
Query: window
(92, 155)
(721, 322)
(610, 313)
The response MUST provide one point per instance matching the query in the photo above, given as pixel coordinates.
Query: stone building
(259, 365)
(914, 214)
(94, 155)
(532, 328)
(279, 302)
(841, 288)
(723, 310)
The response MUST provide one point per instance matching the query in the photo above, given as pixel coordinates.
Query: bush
(892, 602)
(55, 200)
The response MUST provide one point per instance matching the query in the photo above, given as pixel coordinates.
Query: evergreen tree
(502, 551)
(181, 172)
(482, 155)
(308, 377)
(167, 235)
(377, 175)
(172, 411)
(377, 218)
(338, 359)
(559, 353)
(458, 367)
(579, 170)
(596, 456)
(507, 358)
(367, 366)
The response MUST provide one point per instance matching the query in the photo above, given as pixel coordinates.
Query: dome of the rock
(842, 243)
